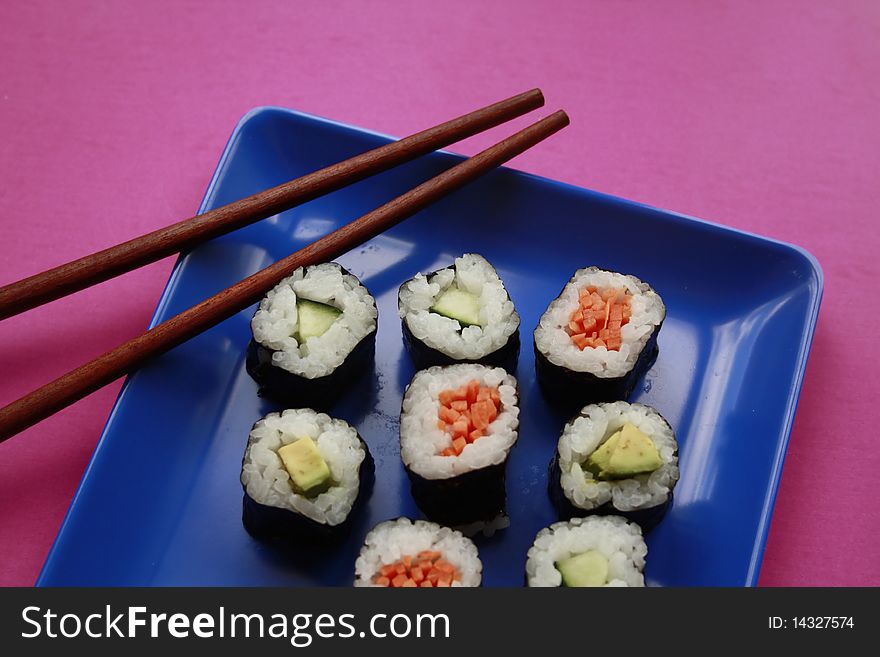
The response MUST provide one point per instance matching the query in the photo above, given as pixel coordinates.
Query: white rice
(487, 528)
(421, 440)
(275, 322)
(593, 426)
(614, 537)
(266, 480)
(392, 540)
(471, 273)
(555, 343)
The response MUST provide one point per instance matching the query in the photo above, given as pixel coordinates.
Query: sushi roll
(584, 552)
(615, 458)
(303, 475)
(313, 334)
(406, 553)
(459, 314)
(457, 426)
(597, 338)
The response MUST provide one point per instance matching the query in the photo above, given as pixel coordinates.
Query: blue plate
(160, 503)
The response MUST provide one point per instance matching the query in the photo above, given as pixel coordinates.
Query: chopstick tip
(563, 115)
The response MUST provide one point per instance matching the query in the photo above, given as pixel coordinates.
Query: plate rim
(806, 339)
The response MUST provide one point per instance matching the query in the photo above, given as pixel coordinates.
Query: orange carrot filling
(465, 414)
(598, 318)
(427, 569)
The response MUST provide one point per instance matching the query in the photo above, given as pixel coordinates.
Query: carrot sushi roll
(313, 334)
(460, 314)
(406, 553)
(597, 338)
(457, 427)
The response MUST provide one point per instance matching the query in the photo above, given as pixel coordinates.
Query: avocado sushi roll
(406, 553)
(588, 552)
(303, 475)
(461, 313)
(597, 338)
(313, 334)
(615, 458)
(457, 426)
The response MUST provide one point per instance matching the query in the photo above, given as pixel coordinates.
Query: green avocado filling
(313, 318)
(586, 569)
(457, 304)
(309, 473)
(627, 452)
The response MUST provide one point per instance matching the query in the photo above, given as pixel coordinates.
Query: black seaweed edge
(470, 497)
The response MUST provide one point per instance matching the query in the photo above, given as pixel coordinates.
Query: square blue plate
(160, 503)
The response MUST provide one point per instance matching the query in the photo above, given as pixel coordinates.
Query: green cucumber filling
(313, 318)
(626, 453)
(457, 304)
(586, 569)
(309, 473)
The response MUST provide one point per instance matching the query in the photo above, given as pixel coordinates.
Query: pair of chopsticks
(84, 272)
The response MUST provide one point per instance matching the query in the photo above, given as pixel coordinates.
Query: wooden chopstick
(84, 380)
(86, 271)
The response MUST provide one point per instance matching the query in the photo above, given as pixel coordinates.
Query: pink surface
(761, 115)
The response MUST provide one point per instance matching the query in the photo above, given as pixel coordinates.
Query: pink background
(759, 115)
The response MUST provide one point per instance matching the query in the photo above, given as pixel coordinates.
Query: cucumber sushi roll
(598, 337)
(583, 552)
(615, 458)
(406, 553)
(313, 334)
(303, 475)
(457, 426)
(459, 314)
